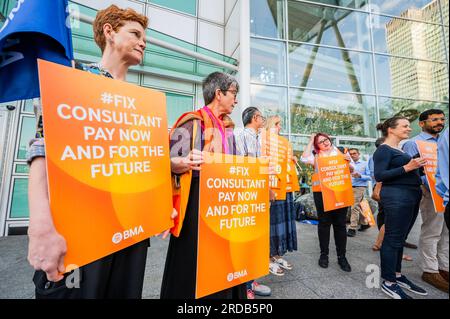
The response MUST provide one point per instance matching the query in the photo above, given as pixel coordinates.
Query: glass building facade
(335, 66)
(341, 66)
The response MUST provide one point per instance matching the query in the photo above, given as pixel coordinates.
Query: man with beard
(433, 240)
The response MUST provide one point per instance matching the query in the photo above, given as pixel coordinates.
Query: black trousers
(337, 218)
(400, 204)
(117, 276)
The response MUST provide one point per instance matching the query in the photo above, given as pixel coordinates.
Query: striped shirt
(248, 143)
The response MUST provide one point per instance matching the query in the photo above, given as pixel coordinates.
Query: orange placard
(335, 182)
(233, 234)
(367, 212)
(292, 184)
(108, 163)
(428, 151)
(275, 148)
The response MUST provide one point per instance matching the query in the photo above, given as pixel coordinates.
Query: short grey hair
(215, 81)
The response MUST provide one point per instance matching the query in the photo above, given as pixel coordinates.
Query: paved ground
(306, 281)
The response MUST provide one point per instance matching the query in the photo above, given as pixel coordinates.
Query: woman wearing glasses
(320, 145)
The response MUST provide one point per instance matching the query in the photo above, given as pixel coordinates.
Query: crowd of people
(121, 36)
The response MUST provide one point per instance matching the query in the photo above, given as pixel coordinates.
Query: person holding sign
(433, 240)
(283, 232)
(320, 146)
(400, 196)
(193, 133)
(120, 35)
(249, 144)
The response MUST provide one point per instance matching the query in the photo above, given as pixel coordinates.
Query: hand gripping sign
(108, 163)
(335, 182)
(233, 234)
(428, 151)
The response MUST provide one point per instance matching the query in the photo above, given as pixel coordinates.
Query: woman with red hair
(320, 145)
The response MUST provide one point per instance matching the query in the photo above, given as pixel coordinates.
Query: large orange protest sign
(233, 234)
(335, 182)
(275, 148)
(108, 163)
(428, 151)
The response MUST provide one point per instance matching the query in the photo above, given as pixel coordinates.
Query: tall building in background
(418, 78)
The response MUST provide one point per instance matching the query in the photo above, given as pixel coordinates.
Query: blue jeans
(400, 204)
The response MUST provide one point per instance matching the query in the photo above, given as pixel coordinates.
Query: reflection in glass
(326, 68)
(19, 205)
(27, 133)
(177, 105)
(354, 4)
(413, 79)
(267, 18)
(332, 113)
(411, 109)
(268, 61)
(271, 101)
(426, 10)
(328, 26)
(408, 38)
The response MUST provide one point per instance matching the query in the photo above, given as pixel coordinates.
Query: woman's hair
(271, 120)
(117, 18)
(316, 141)
(389, 123)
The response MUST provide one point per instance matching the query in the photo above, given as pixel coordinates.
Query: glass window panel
(326, 68)
(22, 169)
(27, 133)
(408, 38)
(390, 107)
(268, 61)
(354, 4)
(329, 26)
(271, 101)
(19, 205)
(177, 105)
(426, 10)
(28, 106)
(332, 113)
(187, 6)
(266, 18)
(415, 79)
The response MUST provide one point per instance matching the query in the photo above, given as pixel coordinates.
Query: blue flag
(34, 29)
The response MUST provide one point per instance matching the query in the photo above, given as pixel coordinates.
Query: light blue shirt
(371, 166)
(442, 169)
(411, 148)
(362, 168)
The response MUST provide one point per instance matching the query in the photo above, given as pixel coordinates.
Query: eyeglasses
(234, 92)
(436, 119)
(323, 141)
(262, 117)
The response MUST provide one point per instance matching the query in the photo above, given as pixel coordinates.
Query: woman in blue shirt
(400, 197)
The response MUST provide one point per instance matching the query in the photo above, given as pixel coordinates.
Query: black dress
(180, 271)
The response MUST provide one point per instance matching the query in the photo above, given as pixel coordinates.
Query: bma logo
(236, 275)
(118, 237)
